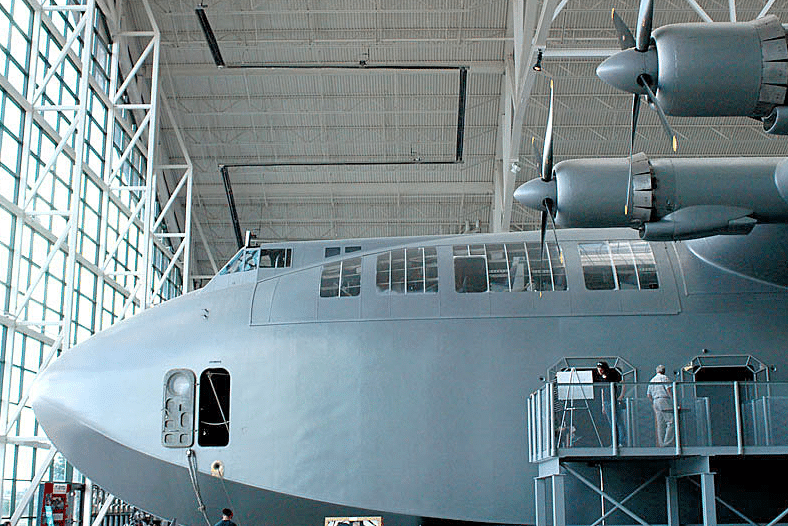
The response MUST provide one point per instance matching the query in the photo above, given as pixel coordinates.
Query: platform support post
(540, 495)
(708, 499)
(672, 491)
(559, 501)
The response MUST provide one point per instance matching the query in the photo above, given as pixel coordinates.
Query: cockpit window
(275, 257)
(214, 428)
(509, 267)
(250, 260)
(253, 258)
(341, 279)
(408, 271)
(235, 264)
(618, 265)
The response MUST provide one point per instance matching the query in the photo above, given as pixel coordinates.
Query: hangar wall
(86, 235)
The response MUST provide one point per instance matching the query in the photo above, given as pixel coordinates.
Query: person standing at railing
(605, 373)
(661, 396)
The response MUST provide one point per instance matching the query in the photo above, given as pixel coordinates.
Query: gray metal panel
(773, 50)
(374, 304)
(421, 305)
(261, 301)
(597, 302)
(775, 72)
(341, 308)
(520, 303)
(769, 27)
(773, 94)
(296, 296)
(178, 411)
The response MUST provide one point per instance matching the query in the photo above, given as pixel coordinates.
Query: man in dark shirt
(606, 374)
(227, 515)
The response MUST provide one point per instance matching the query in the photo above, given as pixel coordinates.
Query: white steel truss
(35, 108)
(529, 37)
(159, 226)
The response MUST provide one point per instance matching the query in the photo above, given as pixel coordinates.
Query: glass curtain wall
(29, 242)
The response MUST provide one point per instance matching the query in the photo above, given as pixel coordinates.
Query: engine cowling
(691, 69)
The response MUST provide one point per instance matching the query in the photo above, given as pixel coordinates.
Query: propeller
(625, 38)
(645, 17)
(545, 166)
(638, 44)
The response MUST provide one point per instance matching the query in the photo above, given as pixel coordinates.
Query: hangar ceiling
(344, 118)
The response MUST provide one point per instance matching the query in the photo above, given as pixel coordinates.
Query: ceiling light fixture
(538, 64)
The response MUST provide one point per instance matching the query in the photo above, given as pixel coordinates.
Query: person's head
(602, 367)
(227, 513)
(661, 369)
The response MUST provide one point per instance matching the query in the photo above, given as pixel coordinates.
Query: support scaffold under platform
(612, 454)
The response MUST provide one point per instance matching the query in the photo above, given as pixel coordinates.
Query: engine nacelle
(706, 70)
(699, 221)
(720, 69)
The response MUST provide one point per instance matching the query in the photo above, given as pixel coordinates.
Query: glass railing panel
(694, 422)
(580, 419)
(641, 423)
(764, 409)
(706, 414)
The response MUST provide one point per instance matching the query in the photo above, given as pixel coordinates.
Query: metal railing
(695, 418)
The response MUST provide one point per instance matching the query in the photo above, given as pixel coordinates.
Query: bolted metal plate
(177, 425)
(772, 93)
(769, 27)
(772, 50)
(774, 73)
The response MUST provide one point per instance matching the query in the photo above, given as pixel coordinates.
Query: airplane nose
(623, 69)
(50, 402)
(533, 193)
(61, 397)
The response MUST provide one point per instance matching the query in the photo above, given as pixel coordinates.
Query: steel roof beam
(245, 191)
(521, 85)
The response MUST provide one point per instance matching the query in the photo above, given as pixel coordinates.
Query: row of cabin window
(618, 265)
(501, 267)
(254, 258)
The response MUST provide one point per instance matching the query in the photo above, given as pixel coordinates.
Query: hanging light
(538, 64)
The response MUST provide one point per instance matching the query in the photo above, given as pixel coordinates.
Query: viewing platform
(681, 429)
(580, 420)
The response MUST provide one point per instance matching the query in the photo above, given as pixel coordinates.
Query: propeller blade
(537, 155)
(547, 156)
(625, 38)
(635, 114)
(653, 100)
(645, 17)
(550, 214)
(545, 213)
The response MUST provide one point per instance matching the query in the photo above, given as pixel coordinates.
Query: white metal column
(21, 289)
(71, 146)
(529, 36)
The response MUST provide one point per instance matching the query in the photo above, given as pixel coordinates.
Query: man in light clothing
(661, 396)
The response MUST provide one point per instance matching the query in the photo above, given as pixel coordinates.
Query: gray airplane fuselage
(405, 405)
